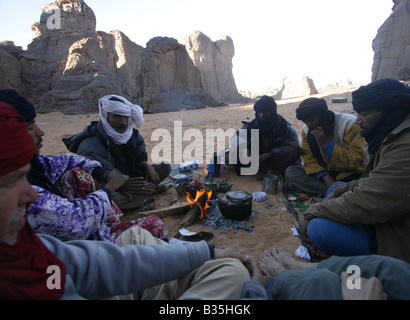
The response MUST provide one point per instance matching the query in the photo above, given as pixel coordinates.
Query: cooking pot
(236, 205)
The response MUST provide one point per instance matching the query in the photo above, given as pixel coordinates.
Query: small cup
(270, 184)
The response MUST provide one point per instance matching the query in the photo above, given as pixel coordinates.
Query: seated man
(333, 149)
(114, 143)
(71, 205)
(278, 145)
(371, 214)
(42, 267)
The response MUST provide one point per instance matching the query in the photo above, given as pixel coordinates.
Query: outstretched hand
(137, 186)
(252, 266)
(115, 180)
(230, 253)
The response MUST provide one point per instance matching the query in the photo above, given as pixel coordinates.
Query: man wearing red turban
(23, 256)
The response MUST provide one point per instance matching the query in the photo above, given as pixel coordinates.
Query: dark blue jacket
(94, 143)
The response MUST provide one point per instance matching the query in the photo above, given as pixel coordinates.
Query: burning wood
(199, 205)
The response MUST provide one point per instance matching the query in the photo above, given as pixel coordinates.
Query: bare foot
(289, 262)
(269, 265)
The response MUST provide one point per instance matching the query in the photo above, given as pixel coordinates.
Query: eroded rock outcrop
(214, 60)
(392, 45)
(296, 86)
(10, 68)
(171, 81)
(69, 66)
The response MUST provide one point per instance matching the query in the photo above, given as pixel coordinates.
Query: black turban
(311, 107)
(18, 102)
(265, 104)
(391, 97)
(383, 94)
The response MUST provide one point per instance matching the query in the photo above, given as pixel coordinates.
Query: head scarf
(110, 104)
(23, 266)
(312, 107)
(265, 104)
(388, 95)
(16, 145)
(18, 102)
(383, 94)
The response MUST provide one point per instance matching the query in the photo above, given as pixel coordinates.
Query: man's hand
(151, 175)
(252, 266)
(137, 186)
(320, 135)
(256, 273)
(115, 180)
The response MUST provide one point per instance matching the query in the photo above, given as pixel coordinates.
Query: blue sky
(328, 40)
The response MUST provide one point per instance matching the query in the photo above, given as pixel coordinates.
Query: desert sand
(272, 224)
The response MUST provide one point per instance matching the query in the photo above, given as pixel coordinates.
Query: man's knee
(293, 172)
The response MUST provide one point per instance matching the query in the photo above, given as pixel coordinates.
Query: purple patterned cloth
(75, 219)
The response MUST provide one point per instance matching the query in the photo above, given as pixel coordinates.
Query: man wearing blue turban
(372, 214)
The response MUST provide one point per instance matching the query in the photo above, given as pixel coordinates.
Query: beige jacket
(381, 197)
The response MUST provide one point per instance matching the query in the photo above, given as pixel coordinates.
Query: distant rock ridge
(69, 66)
(296, 86)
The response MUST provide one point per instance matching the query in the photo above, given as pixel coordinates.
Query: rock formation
(392, 45)
(296, 86)
(171, 80)
(10, 68)
(69, 66)
(214, 60)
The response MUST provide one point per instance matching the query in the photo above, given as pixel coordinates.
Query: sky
(327, 40)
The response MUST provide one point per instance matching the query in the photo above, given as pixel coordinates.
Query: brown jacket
(381, 197)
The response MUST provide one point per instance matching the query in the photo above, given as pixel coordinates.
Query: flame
(206, 172)
(198, 195)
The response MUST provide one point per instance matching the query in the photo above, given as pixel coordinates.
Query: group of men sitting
(66, 213)
(359, 164)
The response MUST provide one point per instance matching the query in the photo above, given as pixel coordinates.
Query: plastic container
(187, 166)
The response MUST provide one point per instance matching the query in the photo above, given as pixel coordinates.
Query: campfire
(201, 200)
(207, 209)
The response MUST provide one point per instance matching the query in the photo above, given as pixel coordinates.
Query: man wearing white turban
(117, 145)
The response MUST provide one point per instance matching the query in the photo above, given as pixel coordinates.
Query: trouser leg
(334, 238)
(297, 177)
(393, 273)
(219, 279)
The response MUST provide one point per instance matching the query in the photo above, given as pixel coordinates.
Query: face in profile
(37, 134)
(366, 119)
(15, 194)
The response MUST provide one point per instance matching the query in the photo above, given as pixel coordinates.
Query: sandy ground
(272, 225)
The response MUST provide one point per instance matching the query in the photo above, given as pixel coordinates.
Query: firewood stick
(194, 213)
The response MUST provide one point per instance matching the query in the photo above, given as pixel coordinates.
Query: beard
(12, 239)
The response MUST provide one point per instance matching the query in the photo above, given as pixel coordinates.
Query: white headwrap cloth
(127, 109)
